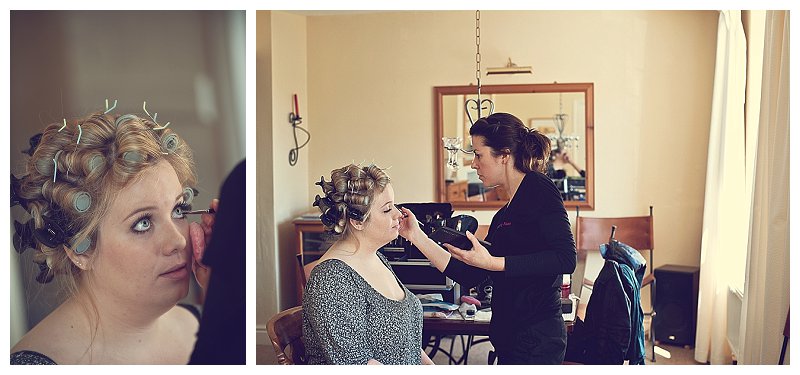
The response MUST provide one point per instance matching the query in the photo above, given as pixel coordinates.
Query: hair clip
(153, 117)
(23, 236)
(80, 133)
(34, 142)
(112, 107)
(328, 215)
(82, 202)
(62, 128)
(15, 198)
(45, 276)
(55, 165)
(52, 234)
(353, 214)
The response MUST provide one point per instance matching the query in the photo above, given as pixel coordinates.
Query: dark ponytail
(506, 134)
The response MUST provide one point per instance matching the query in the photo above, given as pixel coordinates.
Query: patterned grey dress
(346, 321)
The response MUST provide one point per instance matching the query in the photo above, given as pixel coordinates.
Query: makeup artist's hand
(409, 228)
(478, 256)
(200, 235)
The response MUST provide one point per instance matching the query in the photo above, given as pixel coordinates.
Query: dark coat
(613, 330)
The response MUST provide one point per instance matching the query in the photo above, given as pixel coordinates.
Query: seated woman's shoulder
(331, 276)
(329, 270)
(59, 338)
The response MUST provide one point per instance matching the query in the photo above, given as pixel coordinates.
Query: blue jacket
(632, 267)
(613, 330)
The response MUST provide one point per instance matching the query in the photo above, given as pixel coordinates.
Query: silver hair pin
(69, 162)
(62, 128)
(112, 107)
(153, 117)
(55, 165)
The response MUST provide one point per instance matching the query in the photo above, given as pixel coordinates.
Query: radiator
(734, 319)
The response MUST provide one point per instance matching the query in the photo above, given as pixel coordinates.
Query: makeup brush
(206, 211)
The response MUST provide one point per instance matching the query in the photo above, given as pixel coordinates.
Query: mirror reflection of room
(560, 116)
(647, 179)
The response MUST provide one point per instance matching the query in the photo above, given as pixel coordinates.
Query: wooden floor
(478, 354)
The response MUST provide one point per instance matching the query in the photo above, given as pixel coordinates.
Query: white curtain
(724, 211)
(766, 297)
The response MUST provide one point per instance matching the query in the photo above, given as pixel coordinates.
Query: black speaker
(675, 321)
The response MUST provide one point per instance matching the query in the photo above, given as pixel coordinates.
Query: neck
(512, 181)
(119, 322)
(364, 248)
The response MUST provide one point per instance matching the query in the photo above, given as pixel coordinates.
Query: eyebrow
(148, 208)
(386, 203)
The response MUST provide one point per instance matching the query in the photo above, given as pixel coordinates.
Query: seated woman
(108, 196)
(355, 310)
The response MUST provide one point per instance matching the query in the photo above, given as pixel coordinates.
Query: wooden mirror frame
(439, 91)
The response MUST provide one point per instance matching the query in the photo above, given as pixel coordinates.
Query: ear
(82, 261)
(357, 225)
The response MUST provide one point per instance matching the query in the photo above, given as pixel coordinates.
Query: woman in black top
(532, 244)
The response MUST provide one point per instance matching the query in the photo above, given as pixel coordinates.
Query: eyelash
(182, 206)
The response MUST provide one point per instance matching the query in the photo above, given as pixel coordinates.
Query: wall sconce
(296, 120)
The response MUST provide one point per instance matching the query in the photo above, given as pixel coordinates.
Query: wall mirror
(562, 111)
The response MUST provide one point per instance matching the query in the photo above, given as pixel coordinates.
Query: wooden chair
(635, 231)
(286, 333)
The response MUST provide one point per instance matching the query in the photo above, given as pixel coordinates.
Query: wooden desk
(457, 191)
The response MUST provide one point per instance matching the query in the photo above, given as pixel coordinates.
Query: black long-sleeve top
(533, 233)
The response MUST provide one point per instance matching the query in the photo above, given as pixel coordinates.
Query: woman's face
(383, 222)
(490, 169)
(143, 253)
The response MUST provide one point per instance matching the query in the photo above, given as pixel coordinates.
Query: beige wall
(282, 189)
(370, 79)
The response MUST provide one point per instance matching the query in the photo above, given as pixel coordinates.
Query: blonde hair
(351, 190)
(96, 156)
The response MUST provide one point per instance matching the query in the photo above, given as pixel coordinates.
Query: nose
(175, 236)
(474, 164)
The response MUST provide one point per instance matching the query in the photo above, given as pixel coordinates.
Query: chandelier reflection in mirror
(452, 145)
(560, 119)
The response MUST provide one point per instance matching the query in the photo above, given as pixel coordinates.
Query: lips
(177, 273)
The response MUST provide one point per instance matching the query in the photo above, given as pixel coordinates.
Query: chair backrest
(635, 231)
(285, 330)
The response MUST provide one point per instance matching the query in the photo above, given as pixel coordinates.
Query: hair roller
(125, 118)
(44, 166)
(95, 162)
(170, 142)
(81, 202)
